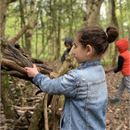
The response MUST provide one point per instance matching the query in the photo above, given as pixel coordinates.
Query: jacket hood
(122, 45)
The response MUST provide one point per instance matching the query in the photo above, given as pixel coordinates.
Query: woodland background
(33, 31)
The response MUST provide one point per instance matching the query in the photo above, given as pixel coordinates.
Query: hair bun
(112, 34)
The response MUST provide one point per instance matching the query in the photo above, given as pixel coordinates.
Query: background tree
(4, 91)
(114, 22)
(93, 11)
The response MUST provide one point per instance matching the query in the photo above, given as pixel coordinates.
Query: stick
(45, 112)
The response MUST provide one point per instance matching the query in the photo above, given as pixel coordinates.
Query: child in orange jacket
(123, 66)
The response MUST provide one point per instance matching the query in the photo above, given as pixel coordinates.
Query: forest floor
(117, 114)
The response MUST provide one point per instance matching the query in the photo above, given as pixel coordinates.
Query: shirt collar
(90, 63)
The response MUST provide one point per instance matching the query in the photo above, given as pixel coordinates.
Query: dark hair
(68, 41)
(97, 37)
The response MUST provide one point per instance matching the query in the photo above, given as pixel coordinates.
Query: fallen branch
(12, 65)
(45, 112)
(24, 108)
(14, 61)
(18, 35)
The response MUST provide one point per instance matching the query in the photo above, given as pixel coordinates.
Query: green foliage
(54, 15)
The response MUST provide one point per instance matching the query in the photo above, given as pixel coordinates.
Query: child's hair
(97, 37)
(68, 41)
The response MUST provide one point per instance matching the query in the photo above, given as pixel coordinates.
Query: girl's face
(81, 53)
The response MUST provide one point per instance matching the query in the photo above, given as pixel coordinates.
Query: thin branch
(17, 74)
(11, 1)
(14, 59)
(24, 108)
(19, 55)
(45, 112)
(12, 65)
(18, 35)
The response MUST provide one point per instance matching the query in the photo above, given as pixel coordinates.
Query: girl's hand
(32, 72)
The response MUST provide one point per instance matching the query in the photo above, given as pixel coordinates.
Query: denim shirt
(85, 92)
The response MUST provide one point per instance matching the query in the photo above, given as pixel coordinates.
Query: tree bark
(114, 22)
(6, 101)
(3, 9)
(93, 11)
(46, 126)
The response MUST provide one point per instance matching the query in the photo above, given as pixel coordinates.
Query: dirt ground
(118, 115)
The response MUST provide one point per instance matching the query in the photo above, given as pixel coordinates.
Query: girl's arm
(65, 84)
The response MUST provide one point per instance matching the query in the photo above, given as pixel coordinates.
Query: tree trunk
(58, 37)
(7, 103)
(114, 22)
(121, 23)
(93, 11)
(22, 18)
(3, 9)
(128, 16)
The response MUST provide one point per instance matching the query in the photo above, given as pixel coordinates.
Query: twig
(24, 108)
(18, 35)
(13, 65)
(45, 112)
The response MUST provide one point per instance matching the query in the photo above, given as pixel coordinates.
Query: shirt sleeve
(119, 64)
(63, 85)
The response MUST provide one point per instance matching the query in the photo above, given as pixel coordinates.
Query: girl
(84, 88)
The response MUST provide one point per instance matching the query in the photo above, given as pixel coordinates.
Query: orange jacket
(122, 46)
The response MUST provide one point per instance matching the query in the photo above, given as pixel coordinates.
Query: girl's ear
(89, 50)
